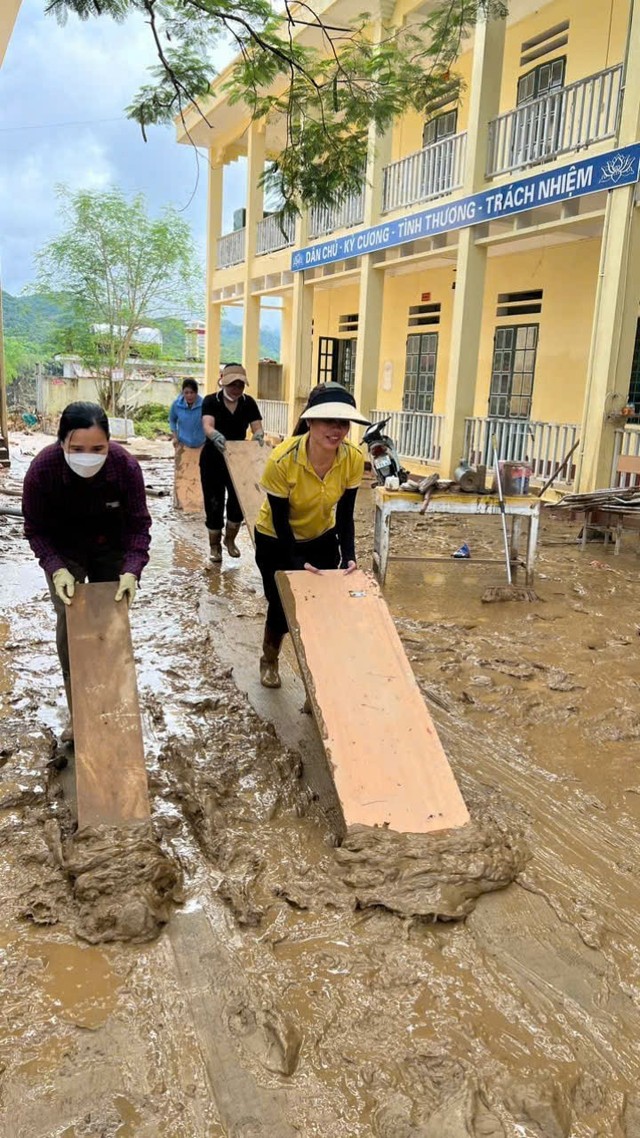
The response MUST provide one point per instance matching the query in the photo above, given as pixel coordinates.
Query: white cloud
(83, 73)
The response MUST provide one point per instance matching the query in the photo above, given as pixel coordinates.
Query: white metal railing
(274, 233)
(324, 219)
(416, 434)
(429, 173)
(274, 416)
(573, 117)
(542, 446)
(231, 249)
(626, 444)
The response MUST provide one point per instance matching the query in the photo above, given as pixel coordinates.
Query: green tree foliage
(330, 83)
(20, 358)
(118, 265)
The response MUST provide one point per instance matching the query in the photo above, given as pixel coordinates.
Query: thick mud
(515, 1014)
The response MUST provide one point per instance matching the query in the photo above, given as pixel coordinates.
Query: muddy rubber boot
(66, 736)
(269, 674)
(230, 535)
(215, 544)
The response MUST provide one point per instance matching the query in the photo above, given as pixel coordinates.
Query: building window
(512, 371)
(537, 123)
(440, 126)
(337, 361)
(634, 381)
(420, 372)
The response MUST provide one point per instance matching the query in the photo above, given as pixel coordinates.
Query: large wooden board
(245, 463)
(225, 1024)
(187, 488)
(388, 764)
(111, 780)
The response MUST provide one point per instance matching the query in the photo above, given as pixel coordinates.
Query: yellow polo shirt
(312, 500)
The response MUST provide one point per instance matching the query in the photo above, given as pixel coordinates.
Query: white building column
(298, 381)
(615, 313)
(212, 311)
(254, 212)
(466, 324)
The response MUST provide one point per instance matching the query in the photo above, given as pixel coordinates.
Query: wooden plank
(213, 986)
(629, 464)
(245, 463)
(388, 764)
(187, 488)
(111, 780)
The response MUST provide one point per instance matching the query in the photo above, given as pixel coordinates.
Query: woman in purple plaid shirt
(85, 516)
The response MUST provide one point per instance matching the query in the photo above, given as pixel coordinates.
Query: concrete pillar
(466, 325)
(617, 299)
(212, 311)
(299, 381)
(255, 209)
(285, 346)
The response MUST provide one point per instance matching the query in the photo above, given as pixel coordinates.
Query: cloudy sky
(63, 91)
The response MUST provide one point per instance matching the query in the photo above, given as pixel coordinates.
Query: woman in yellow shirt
(306, 520)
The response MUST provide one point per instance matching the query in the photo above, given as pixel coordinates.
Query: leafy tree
(118, 265)
(20, 358)
(329, 95)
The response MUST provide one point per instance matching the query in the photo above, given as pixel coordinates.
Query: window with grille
(634, 380)
(420, 372)
(337, 361)
(512, 371)
(541, 80)
(440, 126)
(537, 123)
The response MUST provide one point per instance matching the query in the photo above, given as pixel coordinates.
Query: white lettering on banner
(601, 173)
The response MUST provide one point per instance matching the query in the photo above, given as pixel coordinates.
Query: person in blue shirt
(185, 417)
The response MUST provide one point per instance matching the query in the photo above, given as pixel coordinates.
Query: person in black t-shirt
(225, 415)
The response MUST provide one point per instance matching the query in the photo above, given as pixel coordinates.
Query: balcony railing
(627, 444)
(574, 117)
(542, 446)
(231, 249)
(274, 416)
(274, 233)
(324, 219)
(416, 434)
(429, 173)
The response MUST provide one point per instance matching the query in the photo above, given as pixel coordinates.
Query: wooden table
(518, 509)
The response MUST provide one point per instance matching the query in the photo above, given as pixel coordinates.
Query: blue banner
(592, 175)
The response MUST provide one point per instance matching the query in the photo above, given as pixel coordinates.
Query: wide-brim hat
(334, 404)
(232, 374)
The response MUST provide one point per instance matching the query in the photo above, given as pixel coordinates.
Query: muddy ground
(522, 1021)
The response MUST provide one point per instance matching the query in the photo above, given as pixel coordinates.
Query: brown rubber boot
(269, 674)
(66, 736)
(215, 544)
(230, 535)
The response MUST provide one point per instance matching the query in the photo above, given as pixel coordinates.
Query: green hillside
(34, 320)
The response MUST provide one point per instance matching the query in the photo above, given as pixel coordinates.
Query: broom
(508, 592)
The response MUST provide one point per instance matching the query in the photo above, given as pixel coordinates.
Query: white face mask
(86, 465)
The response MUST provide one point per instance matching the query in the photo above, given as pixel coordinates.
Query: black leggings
(216, 485)
(322, 552)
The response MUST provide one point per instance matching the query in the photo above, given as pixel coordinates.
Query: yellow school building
(486, 280)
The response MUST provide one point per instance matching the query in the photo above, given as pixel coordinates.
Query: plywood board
(245, 463)
(388, 764)
(187, 488)
(111, 780)
(226, 1026)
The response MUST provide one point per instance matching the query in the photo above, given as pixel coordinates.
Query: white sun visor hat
(332, 404)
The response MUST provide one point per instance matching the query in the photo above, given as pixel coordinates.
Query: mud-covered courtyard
(319, 974)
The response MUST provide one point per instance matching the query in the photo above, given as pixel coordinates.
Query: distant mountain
(35, 319)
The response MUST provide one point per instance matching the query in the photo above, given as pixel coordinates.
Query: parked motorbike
(385, 461)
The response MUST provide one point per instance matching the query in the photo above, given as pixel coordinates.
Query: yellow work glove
(127, 585)
(64, 584)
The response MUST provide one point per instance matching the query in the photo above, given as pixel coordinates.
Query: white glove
(127, 586)
(218, 440)
(259, 438)
(64, 584)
